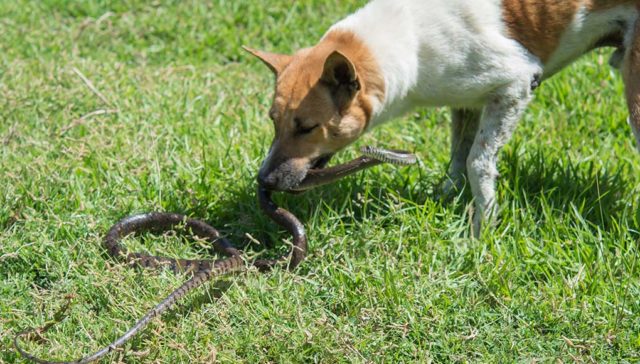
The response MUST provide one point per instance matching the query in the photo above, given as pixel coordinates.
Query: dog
(482, 58)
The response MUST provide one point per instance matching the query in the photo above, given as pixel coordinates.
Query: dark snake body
(204, 270)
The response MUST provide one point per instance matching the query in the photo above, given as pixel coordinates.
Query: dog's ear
(341, 77)
(275, 62)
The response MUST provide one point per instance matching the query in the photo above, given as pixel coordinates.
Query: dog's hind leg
(464, 125)
(631, 76)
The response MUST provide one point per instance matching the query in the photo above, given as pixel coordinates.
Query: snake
(205, 270)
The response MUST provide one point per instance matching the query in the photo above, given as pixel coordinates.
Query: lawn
(178, 122)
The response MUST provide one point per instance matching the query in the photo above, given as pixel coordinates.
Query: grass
(392, 274)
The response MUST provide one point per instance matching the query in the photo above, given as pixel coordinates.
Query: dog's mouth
(317, 175)
(321, 162)
(315, 166)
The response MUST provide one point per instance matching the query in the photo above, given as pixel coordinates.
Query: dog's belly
(456, 88)
(464, 71)
(467, 75)
(464, 55)
(586, 30)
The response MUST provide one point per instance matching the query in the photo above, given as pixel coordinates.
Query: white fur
(457, 53)
(438, 52)
(497, 124)
(584, 31)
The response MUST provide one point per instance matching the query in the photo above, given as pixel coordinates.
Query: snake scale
(204, 270)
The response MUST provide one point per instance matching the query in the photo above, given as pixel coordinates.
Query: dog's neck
(386, 33)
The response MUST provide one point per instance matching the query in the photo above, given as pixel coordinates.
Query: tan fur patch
(539, 25)
(300, 95)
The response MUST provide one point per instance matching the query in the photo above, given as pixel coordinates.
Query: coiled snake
(206, 269)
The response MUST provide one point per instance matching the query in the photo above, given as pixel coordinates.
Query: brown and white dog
(482, 58)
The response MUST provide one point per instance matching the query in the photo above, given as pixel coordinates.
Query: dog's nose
(267, 181)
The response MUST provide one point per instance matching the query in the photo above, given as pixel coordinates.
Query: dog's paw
(450, 189)
(485, 220)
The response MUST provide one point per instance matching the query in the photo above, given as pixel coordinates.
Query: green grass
(392, 275)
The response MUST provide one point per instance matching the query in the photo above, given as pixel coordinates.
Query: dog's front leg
(498, 120)
(631, 76)
(464, 125)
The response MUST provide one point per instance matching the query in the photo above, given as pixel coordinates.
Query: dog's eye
(301, 129)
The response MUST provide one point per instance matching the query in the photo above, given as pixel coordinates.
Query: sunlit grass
(392, 275)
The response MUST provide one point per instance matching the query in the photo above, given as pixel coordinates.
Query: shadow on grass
(602, 195)
(534, 180)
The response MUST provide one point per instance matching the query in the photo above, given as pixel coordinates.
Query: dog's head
(323, 102)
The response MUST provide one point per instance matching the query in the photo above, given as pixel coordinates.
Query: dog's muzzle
(286, 175)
